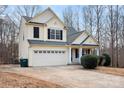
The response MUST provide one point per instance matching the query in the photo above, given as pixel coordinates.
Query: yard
(60, 76)
(12, 80)
(110, 70)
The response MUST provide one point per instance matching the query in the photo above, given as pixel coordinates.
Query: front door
(75, 56)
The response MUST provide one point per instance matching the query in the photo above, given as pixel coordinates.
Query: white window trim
(55, 34)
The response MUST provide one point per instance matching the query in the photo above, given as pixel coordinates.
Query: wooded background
(105, 23)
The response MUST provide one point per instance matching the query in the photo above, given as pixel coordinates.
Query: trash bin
(24, 62)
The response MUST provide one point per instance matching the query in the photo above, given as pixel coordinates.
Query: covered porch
(75, 53)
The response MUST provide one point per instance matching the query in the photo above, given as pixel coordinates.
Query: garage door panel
(51, 57)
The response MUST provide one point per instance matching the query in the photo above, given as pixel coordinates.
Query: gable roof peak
(29, 19)
(49, 8)
(43, 12)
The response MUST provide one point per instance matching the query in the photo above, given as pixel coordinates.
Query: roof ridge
(27, 18)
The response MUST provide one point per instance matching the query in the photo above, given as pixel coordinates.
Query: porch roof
(41, 42)
(85, 44)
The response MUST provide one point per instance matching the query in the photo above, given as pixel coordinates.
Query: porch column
(80, 54)
(91, 51)
(84, 51)
(97, 51)
(69, 56)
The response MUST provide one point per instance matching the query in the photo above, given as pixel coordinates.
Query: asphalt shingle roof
(72, 34)
(27, 18)
(41, 42)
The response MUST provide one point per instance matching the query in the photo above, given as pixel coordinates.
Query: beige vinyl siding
(54, 23)
(90, 41)
(42, 18)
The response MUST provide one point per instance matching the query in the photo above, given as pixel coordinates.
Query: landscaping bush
(89, 61)
(100, 60)
(107, 59)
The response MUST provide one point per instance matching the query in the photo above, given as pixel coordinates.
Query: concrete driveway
(71, 76)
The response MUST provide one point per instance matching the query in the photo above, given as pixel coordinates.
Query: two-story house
(45, 41)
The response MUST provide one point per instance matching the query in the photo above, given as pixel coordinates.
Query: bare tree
(116, 33)
(25, 10)
(77, 18)
(98, 12)
(2, 8)
(68, 15)
(2, 33)
(28, 10)
(121, 36)
(111, 18)
(8, 40)
(88, 17)
(84, 18)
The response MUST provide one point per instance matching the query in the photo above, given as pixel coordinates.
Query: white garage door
(48, 56)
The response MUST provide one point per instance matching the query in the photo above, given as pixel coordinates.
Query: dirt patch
(12, 80)
(110, 70)
(71, 76)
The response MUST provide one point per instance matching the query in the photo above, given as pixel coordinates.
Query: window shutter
(61, 34)
(48, 33)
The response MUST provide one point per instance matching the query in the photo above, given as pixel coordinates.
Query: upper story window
(36, 32)
(55, 34)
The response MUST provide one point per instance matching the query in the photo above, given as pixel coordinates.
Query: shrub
(100, 60)
(89, 61)
(107, 59)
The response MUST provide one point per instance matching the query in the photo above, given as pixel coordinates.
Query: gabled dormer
(45, 26)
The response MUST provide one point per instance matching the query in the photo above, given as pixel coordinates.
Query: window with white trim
(52, 34)
(55, 34)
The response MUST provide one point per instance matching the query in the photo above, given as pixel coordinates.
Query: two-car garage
(48, 56)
